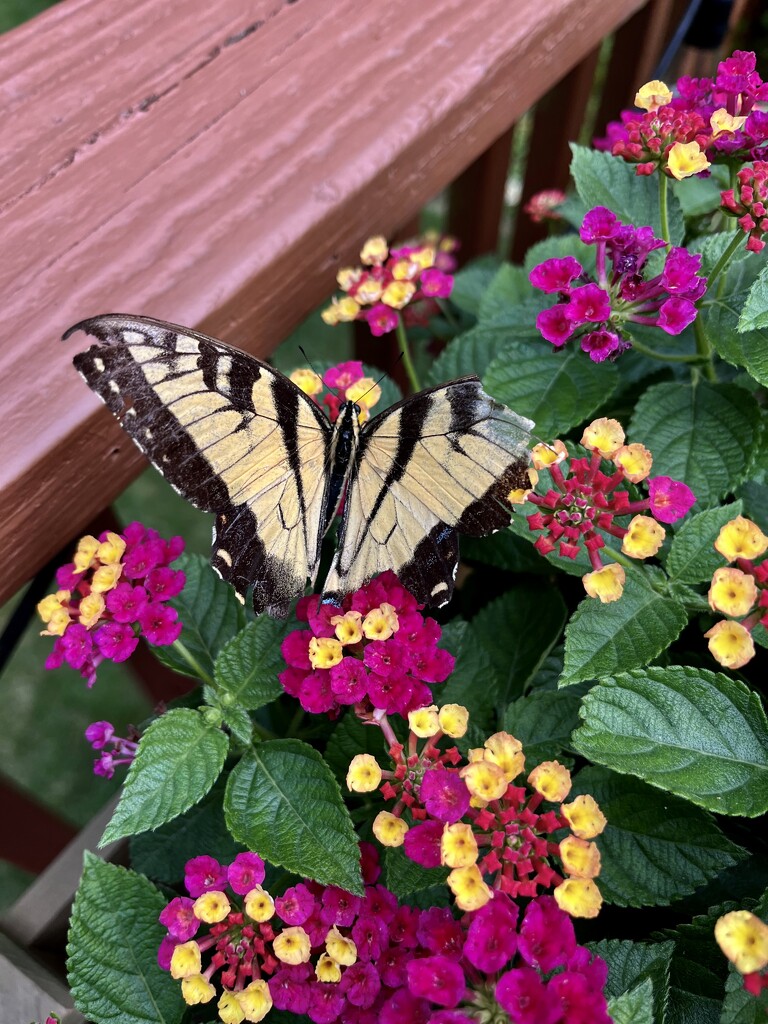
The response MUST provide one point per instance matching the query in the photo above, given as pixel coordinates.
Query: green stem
(445, 309)
(410, 369)
(704, 348)
(725, 259)
(193, 663)
(653, 354)
(295, 721)
(263, 732)
(663, 212)
(622, 559)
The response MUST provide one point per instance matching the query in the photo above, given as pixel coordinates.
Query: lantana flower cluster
(584, 503)
(322, 952)
(376, 652)
(479, 818)
(743, 938)
(739, 591)
(597, 312)
(751, 207)
(346, 382)
(114, 591)
(707, 120)
(114, 750)
(392, 279)
(545, 205)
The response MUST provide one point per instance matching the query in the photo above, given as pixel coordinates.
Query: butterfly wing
(440, 463)
(230, 434)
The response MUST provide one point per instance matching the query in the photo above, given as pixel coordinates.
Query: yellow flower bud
(388, 829)
(468, 887)
(342, 949)
(324, 652)
(106, 577)
(424, 722)
(741, 538)
(255, 1001)
(519, 494)
(607, 583)
(259, 905)
(581, 859)
(196, 989)
(552, 780)
(86, 552)
(211, 907)
(348, 627)
(485, 780)
(743, 938)
(603, 435)
(721, 121)
(635, 460)
(230, 1010)
(91, 608)
(364, 774)
(453, 720)
(326, 969)
(307, 380)
(292, 946)
(111, 550)
(579, 897)
(732, 592)
(507, 752)
(424, 258)
(643, 538)
(380, 623)
(584, 816)
(374, 251)
(545, 455)
(458, 846)
(730, 644)
(398, 294)
(653, 95)
(685, 159)
(347, 309)
(186, 960)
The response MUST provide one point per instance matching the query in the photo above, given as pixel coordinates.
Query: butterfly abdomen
(344, 444)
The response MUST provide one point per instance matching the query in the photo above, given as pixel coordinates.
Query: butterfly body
(237, 438)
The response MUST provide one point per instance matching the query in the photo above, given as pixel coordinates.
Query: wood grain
(213, 164)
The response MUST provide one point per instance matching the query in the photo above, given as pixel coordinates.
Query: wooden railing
(214, 164)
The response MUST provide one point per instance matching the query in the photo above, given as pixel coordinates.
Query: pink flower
(116, 640)
(555, 275)
(340, 377)
(422, 843)
(588, 304)
(444, 795)
(160, 624)
(296, 904)
(599, 225)
(201, 874)
(99, 734)
(381, 319)
(554, 325)
(126, 602)
(670, 499)
(676, 314)
(163, 583)
(290, 988)
(339, 907)
(492, 936)
(245, 872)
(601, 344)
(361, 984)
(522, 994)
(179, 918)
(438, 979)
(547, 938)
(435, 284)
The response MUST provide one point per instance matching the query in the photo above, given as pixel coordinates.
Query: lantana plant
(534, 805)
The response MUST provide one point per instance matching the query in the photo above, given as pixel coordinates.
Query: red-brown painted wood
(212, 164)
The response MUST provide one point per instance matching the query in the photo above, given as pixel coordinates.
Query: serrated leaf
(471, 282)
(283, 802)
(405, 879)
(754, 314)
(557, 390)
(692, 557)
(688, 731)
(178, 760)
(468, 683)
(558, 247)
(701, 434)
(602, 180)
(739, 1006)
(211, 614)
(655, 848)
(472, 352)
(543, 722)
(633, 1007)
(628, 633)
(248, 665)
(509, 287)
(112, 964)
(162, 854)
(631, 964)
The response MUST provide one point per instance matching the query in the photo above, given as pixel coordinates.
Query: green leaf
(508, 288)
(467, 354)
(248, 666)
(405, 879)
(691, 732)
(739, 1007)
(754, 315)
(634, 1007)
(211, 614)
(628, 633)
(602, 180)
(162, 854)
(504, 550)
(543, 722)
(655, 848)
(178, 760)
(702, 434)
(633, 963)
(558, 247)
(468, 684)
(471, 282)
(692, 557)
(283, 802)
(351, 737)
(112, 964)
(557, 390)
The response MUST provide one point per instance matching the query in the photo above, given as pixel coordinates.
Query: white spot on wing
(133, 337)
(99, 364)
(114, 388)
(439, 588)
(225, 556)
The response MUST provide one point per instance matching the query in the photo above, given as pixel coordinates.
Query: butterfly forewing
(232, 435)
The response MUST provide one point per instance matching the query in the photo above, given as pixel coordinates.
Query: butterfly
(237, 438)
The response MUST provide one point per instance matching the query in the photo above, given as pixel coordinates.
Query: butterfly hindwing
(231, 435)
(438, 464)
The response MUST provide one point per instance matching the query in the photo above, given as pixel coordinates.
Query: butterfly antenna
(381, 378)
(301, 349)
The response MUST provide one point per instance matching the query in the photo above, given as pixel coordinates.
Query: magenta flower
(126, 602)
(99, 734)
(422, 843)
(438, 979)
(296, 904)
(339, 907)
(202, 874)
(245, 872)
(160, 624)
(122, 751)
(553, 325)
(435, 284)
(179, 919)
(115, 640)
(361, 984)
(555, 275)
(290, 988)
(547, 938)
(163, 583)
(343, 375)
(523, 995)
(325, 1003)
(588, 304)
(444, 795)
(492, 936)
(601, 345)
(381, 319)
(669, 499)
(675, 315)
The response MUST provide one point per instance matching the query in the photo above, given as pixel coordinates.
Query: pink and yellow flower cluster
(346, 382)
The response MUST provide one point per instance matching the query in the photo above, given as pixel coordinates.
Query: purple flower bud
(99, 734)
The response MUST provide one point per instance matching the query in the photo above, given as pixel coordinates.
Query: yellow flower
(458, 846)
(230, 1010)
(326, 969)
(519, 494)
(643, 538)
(340, 311)
(380, 623)
(347, 277)
(398, 294)
(635, 460)
(653, 95)
(91, 608)
(196, 989)
(603, 435)
(186, 960)
(730, 644)
(307, 380)
(111, 550)
(581, 859)
(579, 897)
(485, 780)
(348, 627)
(545, 455)
(607, 583)
(732, 592)
(468, 887)
(365, 386)
(404, 270)
(52, 604)
(741, 538)
(721, 121)
(255, 1000)
(211, 907)
(389, 829)
(259, 905)
(368, 292)
(86, 552)
(584, 816)
(324, 652)
(364, 774)
(424, 722)
(374, 251)
(506, 751)
(743, 938)
(342, 949)
(292, 946)
(106, 577)
(552, 780)
(453, 720)
(685, 159)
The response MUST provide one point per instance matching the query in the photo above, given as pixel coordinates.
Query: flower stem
(653, 354)
(704, 348)
(193, 663)
(726, 258)
(663, 212)
(410, 369)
